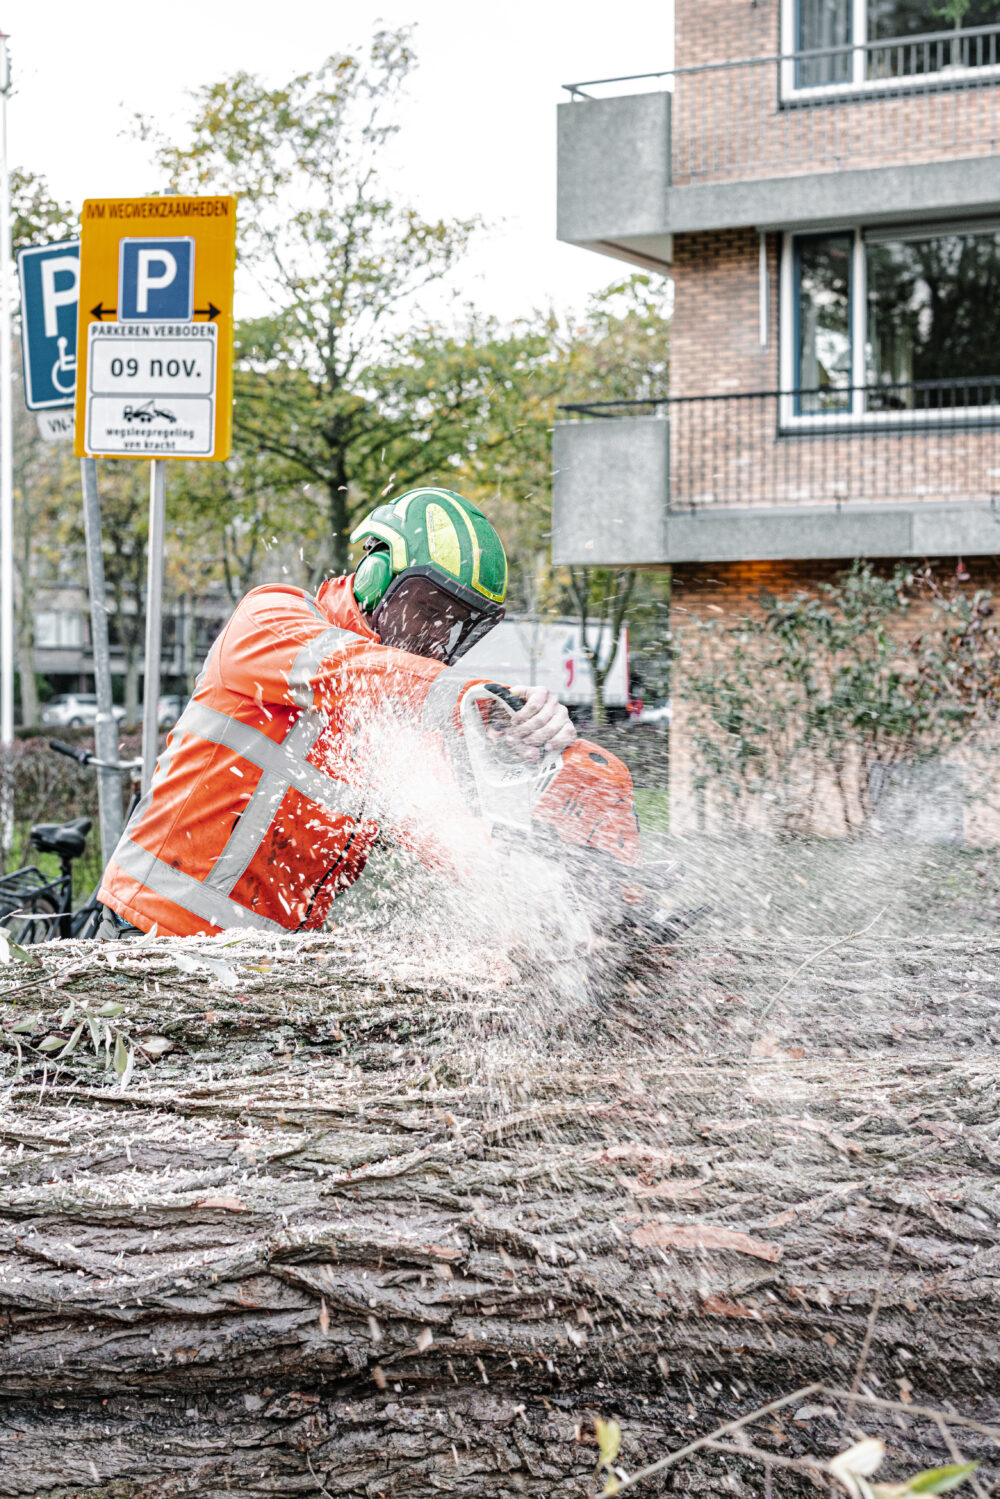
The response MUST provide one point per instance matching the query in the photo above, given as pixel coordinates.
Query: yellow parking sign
(155, 333)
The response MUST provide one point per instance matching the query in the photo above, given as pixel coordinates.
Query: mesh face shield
(434, 616)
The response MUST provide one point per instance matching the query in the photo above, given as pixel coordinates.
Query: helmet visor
(432, 616)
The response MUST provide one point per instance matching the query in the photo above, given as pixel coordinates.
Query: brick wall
(712, 30)
(729, 124)
(729, 452)
(715, 333)
(725, 592)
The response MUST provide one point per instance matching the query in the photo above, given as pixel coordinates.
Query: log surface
(360, 1230)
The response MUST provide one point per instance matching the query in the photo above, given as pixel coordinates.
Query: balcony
(790, 140)
(881, 471)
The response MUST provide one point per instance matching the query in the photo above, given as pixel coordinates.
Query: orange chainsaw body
(588, 803)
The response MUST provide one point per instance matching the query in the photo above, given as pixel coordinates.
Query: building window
(878, 321)
(933, 321)
(823, 276)
(60, 629)
(868, 43)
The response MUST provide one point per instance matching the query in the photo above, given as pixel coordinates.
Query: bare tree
(602, 598)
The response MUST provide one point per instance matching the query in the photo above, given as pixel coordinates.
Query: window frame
(858, 85)
(790, 419)
(67, 627)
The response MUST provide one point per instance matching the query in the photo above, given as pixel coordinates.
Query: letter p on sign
(156, 280)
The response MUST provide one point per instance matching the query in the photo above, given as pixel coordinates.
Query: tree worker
(263, 805)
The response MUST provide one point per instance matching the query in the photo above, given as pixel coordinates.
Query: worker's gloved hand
(542, 724)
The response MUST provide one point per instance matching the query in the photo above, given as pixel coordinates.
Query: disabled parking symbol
(156, 280)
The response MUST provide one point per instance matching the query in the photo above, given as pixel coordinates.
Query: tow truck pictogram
(147, 413)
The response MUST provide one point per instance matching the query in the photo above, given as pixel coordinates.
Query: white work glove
(542, 724)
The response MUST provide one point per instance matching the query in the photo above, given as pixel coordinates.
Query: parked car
(74, 710)
(658, 713)
(169, 708)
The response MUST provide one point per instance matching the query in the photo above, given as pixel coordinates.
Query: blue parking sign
(50, 279)
(156, 280)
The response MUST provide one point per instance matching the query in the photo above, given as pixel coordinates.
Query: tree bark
(338, 509)
(132, 714)
(26, 667)
(371, 1227)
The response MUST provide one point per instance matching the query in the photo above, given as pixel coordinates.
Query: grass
(652, 807)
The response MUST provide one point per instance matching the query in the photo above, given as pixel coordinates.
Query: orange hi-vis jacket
(260, 810)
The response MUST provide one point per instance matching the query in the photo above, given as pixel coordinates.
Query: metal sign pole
(154, 616)
(109, 786)
(6, 474)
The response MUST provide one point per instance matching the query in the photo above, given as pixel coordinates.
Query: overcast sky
(478, 133)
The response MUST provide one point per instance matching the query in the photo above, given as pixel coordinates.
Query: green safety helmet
(434, 573)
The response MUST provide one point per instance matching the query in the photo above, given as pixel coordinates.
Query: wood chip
(702, 1236)
(719, 1306)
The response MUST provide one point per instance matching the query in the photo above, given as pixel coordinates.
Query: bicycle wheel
(35, 921)
(86, 921)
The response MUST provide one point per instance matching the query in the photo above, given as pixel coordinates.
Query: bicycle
(36, 909)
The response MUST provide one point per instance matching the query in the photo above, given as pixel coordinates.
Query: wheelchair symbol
(64, 365)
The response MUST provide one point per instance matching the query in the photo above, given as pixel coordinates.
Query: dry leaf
(718, 1306)
(636, 1154)
(858, 1462)
(609, 1439)
(231, 1204)
(665, 1189)
(702, 1236)
(155, 1046)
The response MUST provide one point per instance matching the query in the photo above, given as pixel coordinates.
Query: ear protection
(373, 576)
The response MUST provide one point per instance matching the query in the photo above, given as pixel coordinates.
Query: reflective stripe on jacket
(260, 808)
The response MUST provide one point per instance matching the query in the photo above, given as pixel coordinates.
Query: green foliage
(954, 11)
(340, 264)
(940, 1480)
(110, 1038)
(609, 1439)
(839, 682)
(852, 1470)
(36, 217)
(346, 391)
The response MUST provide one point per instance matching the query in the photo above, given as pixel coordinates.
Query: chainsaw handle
(510, 699)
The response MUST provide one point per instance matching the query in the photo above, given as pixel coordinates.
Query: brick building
(821, 178)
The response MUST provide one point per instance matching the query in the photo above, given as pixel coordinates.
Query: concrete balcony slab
(857, 530)
(611, 507)
(630, 178)
(614, 175)
(610, 485)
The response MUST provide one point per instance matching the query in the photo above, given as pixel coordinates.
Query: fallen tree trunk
(350, 1229)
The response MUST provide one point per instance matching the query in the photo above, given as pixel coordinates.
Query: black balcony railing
(828, 108)
(916, 442)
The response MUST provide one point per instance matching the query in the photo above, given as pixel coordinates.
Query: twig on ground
(873, 1314)
(911, 1410)
(808, 1465)
(813, 958)
(324, 1491)
(720, 1431)
(956, 1455)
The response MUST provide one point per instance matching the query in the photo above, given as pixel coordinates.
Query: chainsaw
(574, 807)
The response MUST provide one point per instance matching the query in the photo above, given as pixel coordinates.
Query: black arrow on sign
(100, 312)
